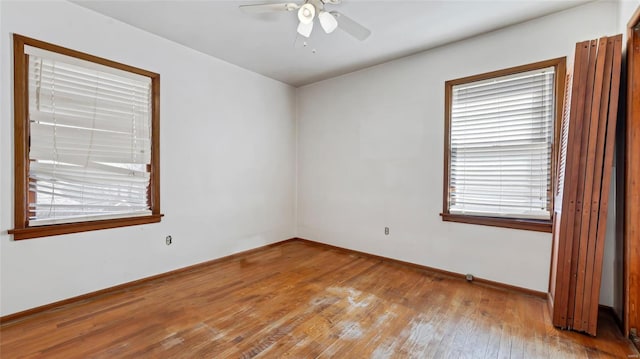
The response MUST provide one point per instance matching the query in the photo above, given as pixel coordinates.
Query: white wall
(626, 9)
(227, 163)
(371, 153)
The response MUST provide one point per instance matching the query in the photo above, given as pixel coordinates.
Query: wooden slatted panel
(589, 225)
(565, 230)
(609, 150)
(578, 183)
(564, 138)
(582, 237)
(560, 175)
(587, 157)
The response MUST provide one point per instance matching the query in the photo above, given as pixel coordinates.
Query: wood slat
(609, 151)
(584, 277)
(564, 233)
(556, 261)
(578, 182)
(591, 211)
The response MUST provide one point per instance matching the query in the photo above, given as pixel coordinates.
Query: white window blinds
(90, 140)
(501, 133)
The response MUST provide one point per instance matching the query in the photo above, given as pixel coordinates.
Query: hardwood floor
(304, 300)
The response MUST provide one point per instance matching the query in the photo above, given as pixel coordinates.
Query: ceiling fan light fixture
(306, 13)
(327, 21)
(305, 29)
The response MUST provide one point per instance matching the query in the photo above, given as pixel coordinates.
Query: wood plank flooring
(305, 300)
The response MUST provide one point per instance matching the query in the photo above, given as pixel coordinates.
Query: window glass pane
(501, 133)
(90, 148)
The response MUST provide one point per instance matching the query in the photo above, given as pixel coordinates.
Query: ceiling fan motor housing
(306, 13)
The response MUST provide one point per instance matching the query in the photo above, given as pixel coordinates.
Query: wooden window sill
(525, 224)
(67, 228)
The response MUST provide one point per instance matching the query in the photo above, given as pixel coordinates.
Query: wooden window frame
(21, 229)
(526, 224)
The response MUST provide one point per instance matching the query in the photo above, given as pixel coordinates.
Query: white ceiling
(265, 43)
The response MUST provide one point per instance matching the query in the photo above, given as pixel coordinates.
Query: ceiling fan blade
(305, 29)
(262, 8)
(351, 27)
(327, 21)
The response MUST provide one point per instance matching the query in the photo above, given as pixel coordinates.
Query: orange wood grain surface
(632, 180)
(563, 232)
(579, 233)
(598, 228)
(300, 299)
(584, 278)
(578, 182)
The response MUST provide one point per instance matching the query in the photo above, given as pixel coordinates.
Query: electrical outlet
(169, 240)
(386, 231)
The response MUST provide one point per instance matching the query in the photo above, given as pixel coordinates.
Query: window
(499, 146)
(86, 142)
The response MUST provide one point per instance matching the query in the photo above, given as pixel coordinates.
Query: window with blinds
(500, 138)
(89, 131)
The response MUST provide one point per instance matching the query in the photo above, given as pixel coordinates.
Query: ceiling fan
(309, 11)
